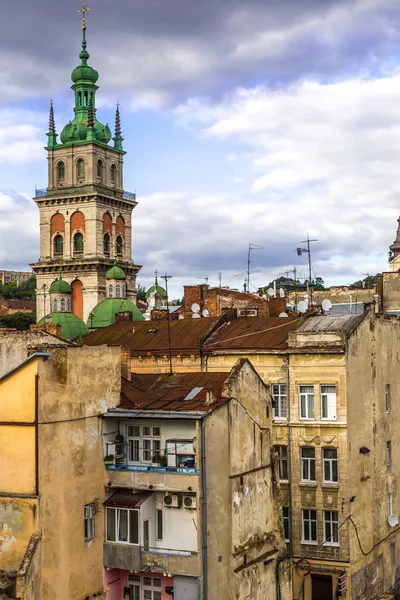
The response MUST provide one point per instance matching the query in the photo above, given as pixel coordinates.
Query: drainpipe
(204, 508)
(289, 458)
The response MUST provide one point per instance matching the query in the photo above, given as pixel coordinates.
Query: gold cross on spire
(83, 12)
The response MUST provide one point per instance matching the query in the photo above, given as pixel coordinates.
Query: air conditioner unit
(172, 501)
(189, 502)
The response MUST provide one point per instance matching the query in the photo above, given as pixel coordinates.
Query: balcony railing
(169, 551)
(128, 195)
(40, 193)
(152, 469)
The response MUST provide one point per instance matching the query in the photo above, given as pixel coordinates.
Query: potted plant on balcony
(109, 459)
(160, 460)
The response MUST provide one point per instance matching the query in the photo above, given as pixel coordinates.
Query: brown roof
(345, 323)
(17, 304)
(152, 336)
(126, 499)
(178, 392)
(261, 333)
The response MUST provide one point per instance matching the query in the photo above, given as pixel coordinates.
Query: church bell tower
(85, 214)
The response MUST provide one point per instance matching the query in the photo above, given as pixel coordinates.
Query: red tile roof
(168, 392)
(126, 499)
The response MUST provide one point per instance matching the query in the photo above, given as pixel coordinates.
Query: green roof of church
(156, 288)
(60, 286)
(105, 313)
(115, 272)
(72, 326)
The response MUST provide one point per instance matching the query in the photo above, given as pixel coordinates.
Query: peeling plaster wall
(14, 346)
(19, 519)
(74, 387)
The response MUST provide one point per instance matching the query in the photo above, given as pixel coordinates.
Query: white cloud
(20, 137)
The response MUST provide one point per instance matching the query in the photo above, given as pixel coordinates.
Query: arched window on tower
(119, 244)
(62, 305)
(110, 291)
(58, 246)
(79, 98)
(100, 171)
(86, 99)
(118, 291)
(60, 171)
(113, 174)
(80, 169)
(55, 305)
(78, 244)
(106, 244)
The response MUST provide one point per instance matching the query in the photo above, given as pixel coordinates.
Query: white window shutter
(331, 406)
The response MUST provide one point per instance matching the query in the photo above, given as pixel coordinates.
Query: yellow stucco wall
(17, 459)
(19, 520)
(17, 394)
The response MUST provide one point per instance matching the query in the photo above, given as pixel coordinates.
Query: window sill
(307, 418)
(330, 484)
(330, 545)
(308, 484)
(305, 543)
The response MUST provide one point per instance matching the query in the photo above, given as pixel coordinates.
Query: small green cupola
(59, 286)
(115, 272)
(160, 291)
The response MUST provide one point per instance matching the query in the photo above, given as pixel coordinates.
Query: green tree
(18, 320)
(367, 283)
(141, 293)
(26, 290)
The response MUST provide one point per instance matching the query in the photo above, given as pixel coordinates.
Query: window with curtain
(122, 525)
(328, 402)
(306, 394)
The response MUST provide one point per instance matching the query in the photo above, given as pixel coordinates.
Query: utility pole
(166, 279)
(251, 247)
(308, 250)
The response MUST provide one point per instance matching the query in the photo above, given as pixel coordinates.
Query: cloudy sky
(245, 121)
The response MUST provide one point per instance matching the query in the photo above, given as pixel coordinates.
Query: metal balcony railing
(153, 469)
(40, 193)
(128, 195)
(168, 551)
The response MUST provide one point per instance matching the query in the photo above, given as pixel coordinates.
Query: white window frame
(311, 515)
(310, 464)
(281, 460)
(145, 443)
(331, 522)
(309, 415)
(328, 402)
(151, 589)
(117, 522)
(326, 461)
(279, 394)
(88, 517)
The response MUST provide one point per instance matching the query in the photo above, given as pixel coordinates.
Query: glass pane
(156, 447)
(147, 581)
(334, 470)
(122, 525)
(156, 431)
(327, 471)
(324, 407)
(159, 524)
(313, 531)
(147, 595)
(308, 452)
(146, 430)
(328, 389)
(111, 525)
(310, 406)
(312, 470)
(306, 389)
(134, 526)
(156, 595)
(303, 406)
(156, 583)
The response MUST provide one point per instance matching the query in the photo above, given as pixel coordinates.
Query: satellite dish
(205, 313)
(195, 307)
(281, 292)
(302, 306)
(196, 316)
(326, 304)
(283, 315)
(270, 291)
(181, 317)
(393, 521)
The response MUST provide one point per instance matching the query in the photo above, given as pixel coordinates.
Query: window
(110, 291)
(100, 169)
(307, 464)
(330, 465)
(286, 523)
(387, 398)
(306, 393)
(106, 244)
(142, 447)
(80, 168)
(123, 290)
(159, 524)
(328, 402)
(88, 522)
(393, 551)
(282, 452)
(122, 525)
(280, 401)
(60, 171)
(118, 291)
(58, 245)
(390, 504)
(113, 173)
(331, 528)
(152, 588)
(78, 243)
(389, 454)
(62, 305)
(309, 526)
(55, 305)
(119, 245)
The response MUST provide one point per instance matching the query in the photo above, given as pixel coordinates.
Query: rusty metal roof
(141, 337)
(260, 333)
(126, 499)
(346, 323)
(178, 392)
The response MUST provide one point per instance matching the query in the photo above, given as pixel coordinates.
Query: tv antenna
(204, 279)
(300, 252)
(251, 248)
(166, 279)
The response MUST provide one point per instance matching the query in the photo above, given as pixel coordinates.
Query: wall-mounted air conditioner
(172, 501)
(189, 502)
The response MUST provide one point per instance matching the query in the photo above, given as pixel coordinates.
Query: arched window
(80, 168)
(106, 244)
(60, 171)
(119, 246)
(118, 291)
(55, 303)
(58, 245)
(78, 244)
(62, 305)
(100, 169)
(113, 174)
(110, 291)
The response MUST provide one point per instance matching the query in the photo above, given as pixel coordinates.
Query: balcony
(122, 556)
(129, 196)
(40, 193)
(152, 469)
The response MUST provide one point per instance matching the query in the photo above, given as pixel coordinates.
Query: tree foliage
(367, 283)
(141, 293)
(288, 283)
(26, 290)
(18, 320)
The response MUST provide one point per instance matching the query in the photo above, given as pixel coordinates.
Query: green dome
(76, 130)
(105, 313)
(115, 272)
(71, 326)
(60, 286)
(84, 73)
(158, 289)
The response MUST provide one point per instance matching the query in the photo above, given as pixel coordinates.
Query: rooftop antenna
(251, 247)
(300, 252)
(204, 279)
(166, 279)
(220, 279)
